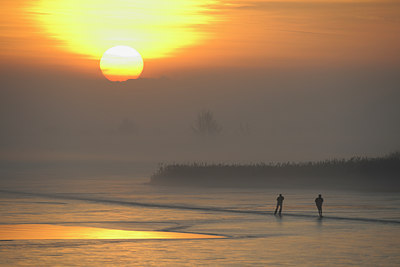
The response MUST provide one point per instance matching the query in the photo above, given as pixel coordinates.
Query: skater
(318, 201)
(279, 202)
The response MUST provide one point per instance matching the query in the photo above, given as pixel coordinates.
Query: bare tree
(127, 126)
(205, 124)
(244, 129)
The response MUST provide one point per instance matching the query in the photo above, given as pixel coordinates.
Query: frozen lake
(138, 224)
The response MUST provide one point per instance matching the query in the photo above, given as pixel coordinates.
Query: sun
(121, 63)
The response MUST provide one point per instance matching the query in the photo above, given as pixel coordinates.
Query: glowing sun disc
(121, 63)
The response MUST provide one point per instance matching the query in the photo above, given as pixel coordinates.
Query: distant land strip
(357, 173)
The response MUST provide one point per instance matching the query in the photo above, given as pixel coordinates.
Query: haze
(286, 81)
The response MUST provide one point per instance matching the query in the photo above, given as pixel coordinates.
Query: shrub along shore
(357, 173)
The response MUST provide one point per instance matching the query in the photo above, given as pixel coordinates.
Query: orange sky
(243, 34)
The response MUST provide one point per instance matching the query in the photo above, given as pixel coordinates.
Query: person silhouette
(279, 202)
(318, 201)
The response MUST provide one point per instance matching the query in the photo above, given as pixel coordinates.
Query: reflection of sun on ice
(121, 63)
(47, 231)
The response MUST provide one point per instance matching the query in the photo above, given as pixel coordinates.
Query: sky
(285, 80)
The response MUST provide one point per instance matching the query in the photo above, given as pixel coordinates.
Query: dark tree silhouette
(205, 124)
